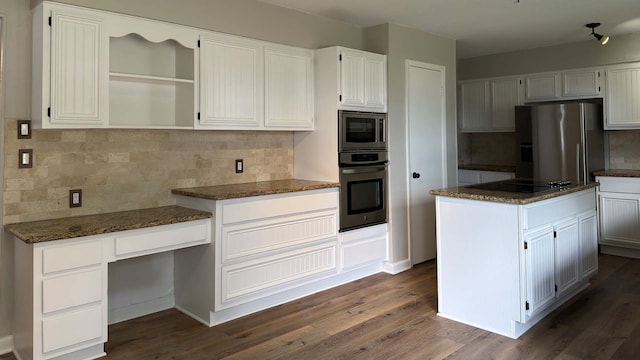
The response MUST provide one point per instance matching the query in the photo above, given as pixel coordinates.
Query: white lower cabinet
(61, 287)
(470, 177)
(507, 266)
(619, 199)
(275, 248)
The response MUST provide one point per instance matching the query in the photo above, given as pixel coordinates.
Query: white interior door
(427, 156)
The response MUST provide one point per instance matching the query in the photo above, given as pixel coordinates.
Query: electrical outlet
(25, 158)
(239, 166)
(75, 198)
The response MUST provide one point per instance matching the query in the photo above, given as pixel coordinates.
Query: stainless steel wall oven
(363, 169)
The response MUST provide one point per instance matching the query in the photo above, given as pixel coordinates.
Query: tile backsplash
(487, 148)
(624, 149)
(131, 169)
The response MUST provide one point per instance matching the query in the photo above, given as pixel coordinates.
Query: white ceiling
(483, 27)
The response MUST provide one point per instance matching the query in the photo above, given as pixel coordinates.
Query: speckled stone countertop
(463, 192)
(77, 226)
(222, 192)
(482, 167)
(618, 173)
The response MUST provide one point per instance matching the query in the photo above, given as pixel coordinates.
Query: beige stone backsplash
(131, 169)
(624, 149)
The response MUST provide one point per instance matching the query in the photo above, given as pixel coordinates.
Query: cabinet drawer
(71, 290)
(71, 329)
(71, 256)
(163, 238)
(275, 273)
(234, 212)
(263, 236)
(619, 184)
(548, 211)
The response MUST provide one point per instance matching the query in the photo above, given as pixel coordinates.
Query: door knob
(416, 175)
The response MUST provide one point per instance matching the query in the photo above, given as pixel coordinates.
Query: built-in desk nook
(61, 273)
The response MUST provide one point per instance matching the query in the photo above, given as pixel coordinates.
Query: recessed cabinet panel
(581, 83)
(474, 105)
(352, 78)
(540, 269)
(78, 85)
(542, 86)
(505, 95)
(231, 72)
(567, 254)
(622, 102)
(288, 88)
(588, 246)
(620, 215)
(375, 82)
(363, 80)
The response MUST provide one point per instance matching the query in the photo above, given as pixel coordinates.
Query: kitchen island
(507, 259)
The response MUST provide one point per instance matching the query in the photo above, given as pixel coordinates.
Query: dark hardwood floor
(394, 317)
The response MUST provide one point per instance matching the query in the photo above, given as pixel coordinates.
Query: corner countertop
(463, 192)
(86, 225)
(618, 173)
(485, 167)
(232, 191)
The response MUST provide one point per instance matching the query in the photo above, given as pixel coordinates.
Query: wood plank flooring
(394, 317)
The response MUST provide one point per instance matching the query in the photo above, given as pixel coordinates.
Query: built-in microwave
(360, 131)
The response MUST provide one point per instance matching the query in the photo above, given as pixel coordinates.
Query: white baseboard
(136, 310)
(620, 251)
(6, 345)
(396, 267)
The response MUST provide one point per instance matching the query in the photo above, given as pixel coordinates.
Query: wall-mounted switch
(24, 129)
(25, 158)
(75, 198)
(239, 166)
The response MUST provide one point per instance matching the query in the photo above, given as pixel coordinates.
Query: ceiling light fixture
(603, 39)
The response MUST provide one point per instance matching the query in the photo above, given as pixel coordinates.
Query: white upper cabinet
(288, 88)
(474, 104)
(582, 83)
(542, 87)
(231, 73)
(363, 80)
(94, 68)
(69, 72)
(506, 93)
(622, 101)
(488, 105)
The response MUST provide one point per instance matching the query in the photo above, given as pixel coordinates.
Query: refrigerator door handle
(578, 162)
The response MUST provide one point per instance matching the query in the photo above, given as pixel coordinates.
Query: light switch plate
(25, 158)
(24, 129)
(75, 198)
(239, 166)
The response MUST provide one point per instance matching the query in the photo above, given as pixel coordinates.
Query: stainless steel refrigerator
(559, 142)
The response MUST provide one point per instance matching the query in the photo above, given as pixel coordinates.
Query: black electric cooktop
(525, 186)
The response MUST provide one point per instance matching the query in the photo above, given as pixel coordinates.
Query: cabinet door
(539, 269)
(505, 95)
(620, 219)
(542, 87)
(375, 81)
(474, 105)
(588, 246)
(78, 70)
(567, 255)
(622, 103)
(288, 88)
(352, 74)
(581, 83)
(231, 73)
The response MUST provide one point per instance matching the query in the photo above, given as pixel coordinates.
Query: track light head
(603, 39)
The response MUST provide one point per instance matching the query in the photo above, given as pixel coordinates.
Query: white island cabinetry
(504, 266)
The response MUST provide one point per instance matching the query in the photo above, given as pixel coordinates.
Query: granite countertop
(618, 173)
(232, 191)
(464, 192)
(77, 226)
(484, 167)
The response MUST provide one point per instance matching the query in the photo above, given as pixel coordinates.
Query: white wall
(575, 55)
(401, 43)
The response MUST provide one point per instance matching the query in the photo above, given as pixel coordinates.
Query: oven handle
(363, 169)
